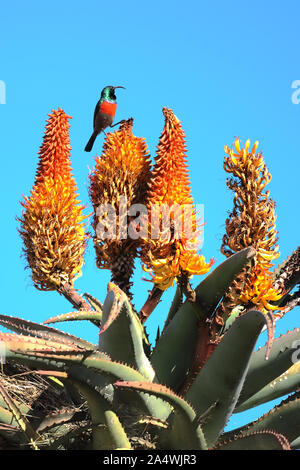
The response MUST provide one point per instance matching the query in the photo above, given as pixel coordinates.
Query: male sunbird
(104, 113)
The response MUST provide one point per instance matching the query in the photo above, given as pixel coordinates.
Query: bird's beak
(119, 87)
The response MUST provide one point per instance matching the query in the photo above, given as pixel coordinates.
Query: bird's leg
(120, 122)
(129, 121)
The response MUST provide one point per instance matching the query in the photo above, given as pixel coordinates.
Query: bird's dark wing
(96, 112)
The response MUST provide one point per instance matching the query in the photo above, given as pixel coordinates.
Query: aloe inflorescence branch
(173, 255)
(250, 223)
(117, 183)
(170, 251)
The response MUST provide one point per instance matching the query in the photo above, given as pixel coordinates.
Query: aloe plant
(152, 383)
(179, 392)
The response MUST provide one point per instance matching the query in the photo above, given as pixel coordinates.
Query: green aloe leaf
(173, 353)
(91, 367)
(283, 419)
(55, 357)
(184, 431)
(122, 334)
(219, 382)
(260, 440)
(262, 372)
(93, 316)
(95, 303)
(108, 432)
(22, 407)
(7, 416)
(31, 343)
(46, 352)
(58, 417)
(211, 290)
(30, 328)
(286, 383)
(295, 445)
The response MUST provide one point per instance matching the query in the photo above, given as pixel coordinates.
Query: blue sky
(225, 68)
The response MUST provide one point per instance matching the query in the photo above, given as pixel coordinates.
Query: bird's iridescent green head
(108, 93)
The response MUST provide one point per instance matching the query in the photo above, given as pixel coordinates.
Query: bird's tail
(90, 143)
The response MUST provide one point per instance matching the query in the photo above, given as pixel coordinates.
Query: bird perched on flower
(104, 113)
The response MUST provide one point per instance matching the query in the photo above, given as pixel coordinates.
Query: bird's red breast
(108, 108)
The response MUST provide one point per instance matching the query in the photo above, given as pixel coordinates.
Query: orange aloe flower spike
(175, 255)
(52, 226)
(120, 174)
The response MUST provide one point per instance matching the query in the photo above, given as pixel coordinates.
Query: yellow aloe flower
(259, 290)
(173, 252)
(118, 181)
(52, 225)
(251, 223)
